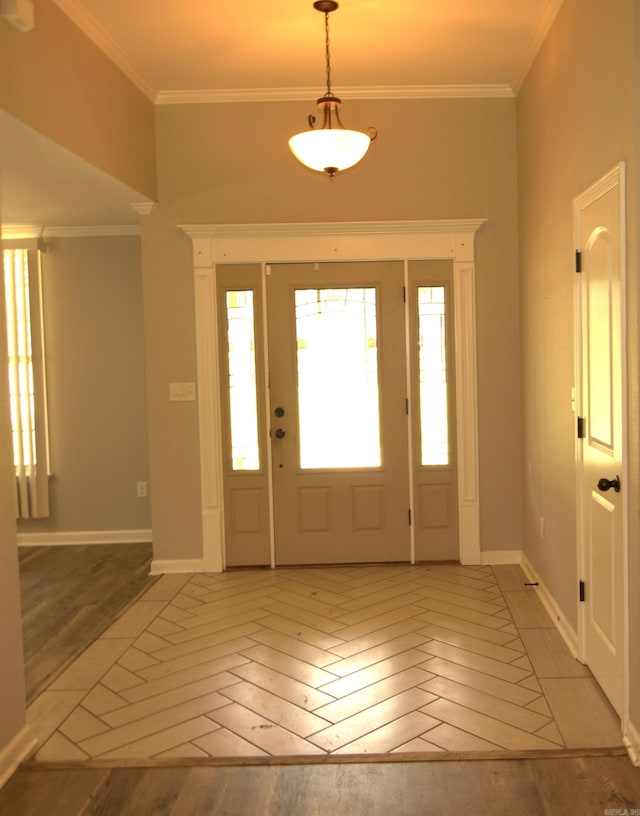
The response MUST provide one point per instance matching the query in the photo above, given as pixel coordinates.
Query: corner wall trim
(632, 742)
(20, 747)
(568, 634)
(76, 538)
(174, 566)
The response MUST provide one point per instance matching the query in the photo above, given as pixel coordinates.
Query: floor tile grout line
(274, 590)
(534, 673)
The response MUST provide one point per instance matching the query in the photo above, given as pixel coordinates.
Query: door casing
(327, 242)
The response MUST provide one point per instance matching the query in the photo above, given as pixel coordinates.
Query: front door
(601, 477)
(338, 413)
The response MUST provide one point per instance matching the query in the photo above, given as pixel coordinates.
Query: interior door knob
(280, 433)
(607, 484)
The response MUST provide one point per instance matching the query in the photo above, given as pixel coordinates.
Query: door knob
(280, 433)
(607, 484)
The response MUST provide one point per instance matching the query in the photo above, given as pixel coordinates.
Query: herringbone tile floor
(330, 661)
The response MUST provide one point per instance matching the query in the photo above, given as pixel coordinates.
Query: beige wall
(231, 164)
(92, 301)
(12, 687)
(59, 83)
(576, 119)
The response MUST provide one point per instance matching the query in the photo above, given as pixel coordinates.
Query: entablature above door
(327, 241)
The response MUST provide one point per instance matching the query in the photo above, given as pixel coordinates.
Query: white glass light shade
(329, 149)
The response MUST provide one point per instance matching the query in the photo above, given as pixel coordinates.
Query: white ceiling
(169, 45)
(174, 50)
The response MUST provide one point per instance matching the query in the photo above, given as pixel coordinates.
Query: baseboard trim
(491, 558)
(172, 566)
(84, 537)
(631, 740)
(568, 634)
(20, 747)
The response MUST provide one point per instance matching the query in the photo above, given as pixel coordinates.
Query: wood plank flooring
(325, 663)
(70, 596)
(543, 787)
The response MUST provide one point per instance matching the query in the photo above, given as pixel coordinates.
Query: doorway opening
(357, 419)
(272, 245)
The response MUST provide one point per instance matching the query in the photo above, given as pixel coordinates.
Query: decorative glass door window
(434, 405)
(243, 397)
(337, 378)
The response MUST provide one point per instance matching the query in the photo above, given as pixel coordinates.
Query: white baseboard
(168, 566)
(567, 632)
(20, 747)
(492, 558)
(86, 537)
(632, 742)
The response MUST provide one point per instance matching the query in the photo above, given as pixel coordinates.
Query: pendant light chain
(327, 52)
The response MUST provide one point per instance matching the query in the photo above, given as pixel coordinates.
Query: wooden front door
(338, 413)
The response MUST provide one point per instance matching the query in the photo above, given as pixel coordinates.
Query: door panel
(602, 355)
(340, 459)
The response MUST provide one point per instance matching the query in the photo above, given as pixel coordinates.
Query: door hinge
(580, 427)
(581, 588)
(409, 514)
(406, 406)
(404, 294)
(578, 261)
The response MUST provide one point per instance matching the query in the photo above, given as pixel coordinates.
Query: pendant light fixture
(332, 147)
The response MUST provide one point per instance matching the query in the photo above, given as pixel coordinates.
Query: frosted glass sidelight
(434, 408)
(243, 401)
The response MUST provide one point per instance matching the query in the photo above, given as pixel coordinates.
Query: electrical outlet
(141, 490)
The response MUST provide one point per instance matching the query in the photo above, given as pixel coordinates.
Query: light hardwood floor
(331, 662)
(584, 786)
(70, 595)
(584, 783)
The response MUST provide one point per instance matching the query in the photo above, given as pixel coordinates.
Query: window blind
(27, 381)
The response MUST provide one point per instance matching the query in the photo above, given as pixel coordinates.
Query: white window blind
(27, 383)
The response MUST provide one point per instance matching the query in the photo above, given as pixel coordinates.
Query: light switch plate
(182, 392)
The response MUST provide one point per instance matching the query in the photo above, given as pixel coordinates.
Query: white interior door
(601, 477)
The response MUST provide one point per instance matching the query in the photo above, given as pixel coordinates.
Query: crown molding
(18, 231)
(143, 207)
(11, 232)
(78, 14)
(212, 96)
(546, 20)
(109, 231)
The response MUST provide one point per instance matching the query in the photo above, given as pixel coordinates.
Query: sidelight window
(434, 403)
(243, 393)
